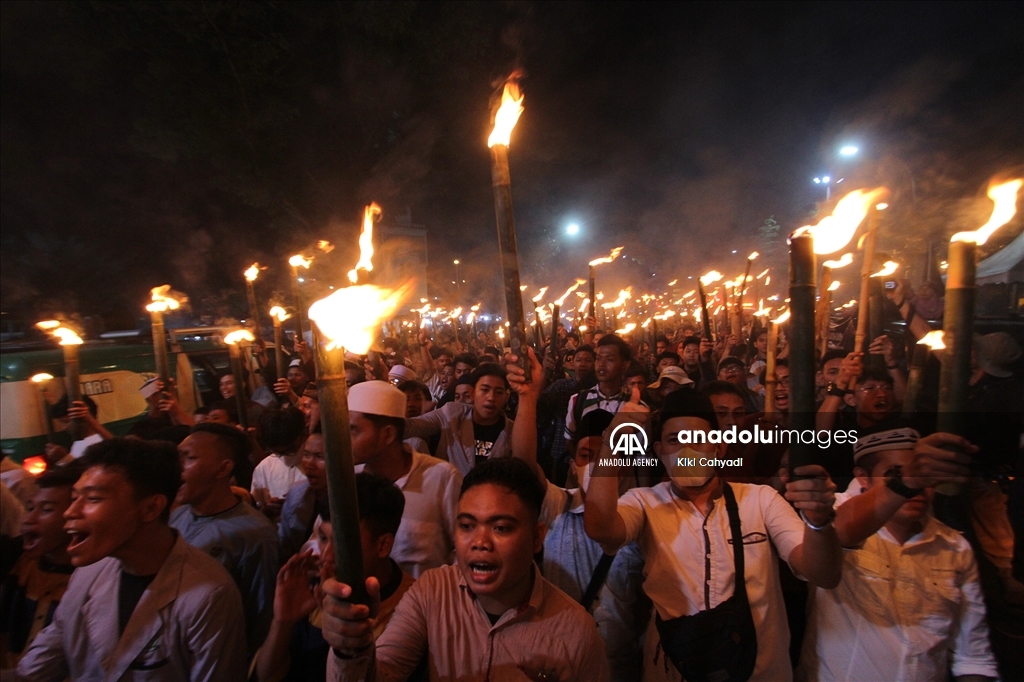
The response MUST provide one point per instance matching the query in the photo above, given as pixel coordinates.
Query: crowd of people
(501, 538)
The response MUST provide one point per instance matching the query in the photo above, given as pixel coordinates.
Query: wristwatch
(893, 478)
(832, 389)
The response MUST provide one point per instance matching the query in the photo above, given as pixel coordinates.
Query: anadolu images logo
(630, 444)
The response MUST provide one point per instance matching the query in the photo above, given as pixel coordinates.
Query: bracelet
(827, 524)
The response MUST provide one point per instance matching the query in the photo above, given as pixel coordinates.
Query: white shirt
(685, 574)
(901, 612)
(426, 536)
(277, 474)
(434, 386)
(79, 447)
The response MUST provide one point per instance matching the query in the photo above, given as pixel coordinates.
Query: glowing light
(41, 377)
(572, 229)
(753, 255)
(349, 317)
(835, 231)
(540, 295)
(67, 337)
(710, 277)
(238, 336)
(507, 116)
(609, 258)
(299, 261)
(933, 340)
(568, 291)
(627, 329)
(1004, 197)
(164, 299)
(371, 213)
(834, 285)
(673, 282)
(279, 313)
(252, 273)
(849, 150)
(888, 268)
(34, 465)
(846, 259)
(781, 318)
(324, 245)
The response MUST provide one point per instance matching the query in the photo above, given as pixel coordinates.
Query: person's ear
(863, 477)
(226, 468)
(539, 533)
(388, 435)
(850, 400)
(384, 544)
(152, 507)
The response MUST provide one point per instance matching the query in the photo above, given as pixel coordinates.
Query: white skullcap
(892, 439)
(402, 373)
(377, 397)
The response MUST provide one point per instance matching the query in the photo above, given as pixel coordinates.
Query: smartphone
(890, 285)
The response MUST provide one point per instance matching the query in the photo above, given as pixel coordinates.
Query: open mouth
(482, 571)
(78, 538)
(30, 540)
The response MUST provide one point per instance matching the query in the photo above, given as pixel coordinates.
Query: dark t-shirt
(485, 437)
(128, 595)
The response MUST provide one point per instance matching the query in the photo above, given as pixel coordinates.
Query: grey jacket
(454, 423)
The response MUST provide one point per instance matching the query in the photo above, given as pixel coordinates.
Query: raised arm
(524, 429)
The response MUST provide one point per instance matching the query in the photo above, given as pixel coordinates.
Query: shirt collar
(516, 614)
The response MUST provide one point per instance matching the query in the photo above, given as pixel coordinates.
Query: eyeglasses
(872, 388)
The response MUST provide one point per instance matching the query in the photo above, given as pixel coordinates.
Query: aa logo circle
(629, 440)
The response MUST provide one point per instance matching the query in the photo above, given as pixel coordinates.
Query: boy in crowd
(281, 432)
(141, 601)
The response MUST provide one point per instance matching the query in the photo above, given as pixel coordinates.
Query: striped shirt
(592, 399)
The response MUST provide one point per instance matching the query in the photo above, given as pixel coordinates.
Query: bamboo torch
(705, 280)
(163, 299)
(918, 361)
(860, 343)
(592, 283)
(234, 341)
(501, 180)
(538, 330)
(278, 314)
(770, 378)
(742, 290)
(958, 313)
(42, 380)
(250, 287)
(298, 261)
(69, 343)
(823, 314)
(828, 236)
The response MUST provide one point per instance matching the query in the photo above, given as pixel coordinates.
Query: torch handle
(160, 348)
(553, 341)
(502, 185)
(704, 312)
(235, 355)
(298, 304)
(802, 291)
(865, 285)
(253, 310)
(592, 282)
(74, 387)
(278, 350)
(822, 313)
(912, 394)
(770, 379)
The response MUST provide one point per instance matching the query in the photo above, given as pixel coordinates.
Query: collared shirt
(901, 612)
(277, 474)
(689, 563)
(426, 536)
(188, 625)
(441, 617)
(592, 399)
(454, 424)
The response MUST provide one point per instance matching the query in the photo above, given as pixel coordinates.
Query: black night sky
(176, 142)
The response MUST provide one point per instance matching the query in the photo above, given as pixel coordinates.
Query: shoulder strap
(597, 580)
(737, 539)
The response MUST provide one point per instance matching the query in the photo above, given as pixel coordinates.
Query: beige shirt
(440, 617)
(454, 424)
(689, 564)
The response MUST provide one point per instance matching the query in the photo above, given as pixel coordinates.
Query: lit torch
(69, 343)
(370, 214)
(556, 313)
(298, 261)
(42, 380)
(828, 236)
(822, 314)
(163, 299)
(705, 280)
(770, 379)
(278, 314)
(958, 313)
(742, 290)
(505, 119)
(932, 341)
(593, 270)
(538, 330)
(864, 310)
(250, 285)
(348, 319)
(234, 341)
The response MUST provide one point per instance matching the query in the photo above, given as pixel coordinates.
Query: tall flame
(238, 336)
(835, 231)
(762, 273)
(67, 337)
(781, 318)
(279, 313)
(753, 255)
(933, 340)
(559, 301)
(539, 296)
(609, 258)
(41, 377)
(627, 329)
(834, 285)
(710, 277)
(1005, 198)
(507, 116)
(888, 268)
(371, 213)
(252, 273)
(349, 317)
(673, 283)
(164, 299)
(299, 261)
(846, 259)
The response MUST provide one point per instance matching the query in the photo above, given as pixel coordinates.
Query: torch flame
(888, 268)
(753, 255)
(835, 231)
(508, 114)
(349, 317)
(834, 285)
(539, 296)
(67, 337)
(371, 213)
(164, 299)
(710, 277)
(673, 282)
(34, 465)
(781, 318)
(47, 325)
(933, 340)
(841, 263)
(627, 329)
(252, 273)
(279, 313)
(609, 258)
(763, 273)
(238, 336)
(523, 287)
(299, 261)
(568, 291)
(1005, 198)
(324, 245)
(41, 377)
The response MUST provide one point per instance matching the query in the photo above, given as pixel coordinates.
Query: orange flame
(67, 337)
(835, 231)
(539, 296)
(238, 336)
(627, 329)
(371, 213)
(568, 291)
(34, 465)
(324, 245)
(41, 377)
(609, 258)
(164, 299)
(933, 340)
(279, 314)
(47, 325)
(252, 273)
(1005, 198)
(888, 268)
(299, 261)
(834, 285)
(508, 114)
(710, 277)
(763, 273)
(673, 282)
(841, 263)
(753, 255)
(781, 318)
(348, 318)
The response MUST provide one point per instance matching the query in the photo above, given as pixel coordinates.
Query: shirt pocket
(942, 600)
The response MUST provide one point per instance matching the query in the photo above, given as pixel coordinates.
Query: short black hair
(685, 403)
(228, 406)
(236, 448)
(488, 369)
(413, 385)
(871, 373)
(834, 354)
(625, 352)
(662, 339)
(379, 421)
(281, 429)
(720, 387)
(668, 355)
(593, 423)
(381, 503)
(691, 341)
(465, 380)
(512, 474)
(466, 359)
(59, 410)
(438, 351)
(635, 369)
(60, 477)
(586, 348)
(492, 350)
(151, 467)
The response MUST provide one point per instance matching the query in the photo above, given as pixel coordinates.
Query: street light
(849, 150)
(572, 229)
(825, 180)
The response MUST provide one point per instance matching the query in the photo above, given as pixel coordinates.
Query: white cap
(674, 374)
(149, 388)
(377, 397)
(402, 373)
